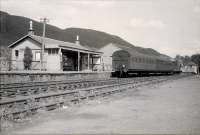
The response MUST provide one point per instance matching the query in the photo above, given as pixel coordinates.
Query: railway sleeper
(78, 95)
(16, 114)
(41, 89)
(24, 99)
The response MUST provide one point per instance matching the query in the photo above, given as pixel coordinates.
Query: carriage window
(138, 60)
(147, 60)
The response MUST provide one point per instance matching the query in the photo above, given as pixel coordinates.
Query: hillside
(14, 27)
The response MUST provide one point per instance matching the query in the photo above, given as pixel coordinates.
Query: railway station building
(190, 67)
(64, 56)
(57, 56)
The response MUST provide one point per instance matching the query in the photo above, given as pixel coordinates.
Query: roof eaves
(79, 48)
(28, 35)
(18, 40)
(36, 38)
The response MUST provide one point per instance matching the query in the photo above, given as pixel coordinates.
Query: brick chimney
(77, 40)
(31, 31)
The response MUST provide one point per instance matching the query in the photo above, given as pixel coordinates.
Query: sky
(169, 26)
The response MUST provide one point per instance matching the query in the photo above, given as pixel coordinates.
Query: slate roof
(52, 43)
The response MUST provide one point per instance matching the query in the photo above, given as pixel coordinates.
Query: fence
(16, 65)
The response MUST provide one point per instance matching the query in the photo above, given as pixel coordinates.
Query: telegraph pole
(44, 21)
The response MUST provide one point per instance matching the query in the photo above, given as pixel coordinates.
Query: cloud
(189, 47)
(98, 4)
(82, 3)
(196, 9)
(167, 26)
(137, 22)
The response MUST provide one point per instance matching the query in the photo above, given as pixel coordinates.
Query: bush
(28, 56)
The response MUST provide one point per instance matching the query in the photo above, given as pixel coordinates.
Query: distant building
(108, 50)
(190, 67)
(58, 55)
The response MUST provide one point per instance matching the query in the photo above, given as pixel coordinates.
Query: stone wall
(30, 76)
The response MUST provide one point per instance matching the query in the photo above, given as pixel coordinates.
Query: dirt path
(170, 107)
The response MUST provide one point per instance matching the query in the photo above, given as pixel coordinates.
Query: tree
(183, 59)
(196, 59)
(186, 59)
(5, 52)
(28, 56)
(178, 57)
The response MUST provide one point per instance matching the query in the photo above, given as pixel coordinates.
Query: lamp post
(44, 21)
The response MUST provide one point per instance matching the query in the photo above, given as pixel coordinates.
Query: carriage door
(120, 58)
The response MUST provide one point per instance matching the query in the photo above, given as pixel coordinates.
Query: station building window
(16, 53)
(52, 51)
(37, 56)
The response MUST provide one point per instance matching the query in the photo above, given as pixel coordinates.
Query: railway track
(18, 99)
(15, 90)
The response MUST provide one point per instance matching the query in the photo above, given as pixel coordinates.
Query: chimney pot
(77, 39)
(31, 31)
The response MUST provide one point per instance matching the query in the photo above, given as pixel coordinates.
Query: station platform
(40, 76)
